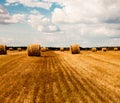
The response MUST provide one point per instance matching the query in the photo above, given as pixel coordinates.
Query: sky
(60, 23)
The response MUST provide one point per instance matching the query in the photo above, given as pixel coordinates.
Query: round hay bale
(115, 49)
(75, 49)
(34, 50)
(19, 49)
(94, 49)
(61, 49)
(104, 49)
(11, 49)
(43, 49)
(47, 49)
(3, 49)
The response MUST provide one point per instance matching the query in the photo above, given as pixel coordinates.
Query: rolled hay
(47, 49)
(43, 49)
(61, 49)
(115, 49)
(3, 49)
(104, 49)
(11, 49)
(94, 49)
(19, 49)
(34, 50)
(75, 49)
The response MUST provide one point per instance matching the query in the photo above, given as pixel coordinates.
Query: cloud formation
(89, 17)
(5, 18)
(87, 11)
(82, 21)
(30, 3)
(43, 24)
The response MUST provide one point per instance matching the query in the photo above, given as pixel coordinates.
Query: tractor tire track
(95, 87)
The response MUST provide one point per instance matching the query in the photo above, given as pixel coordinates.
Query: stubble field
(60, 77)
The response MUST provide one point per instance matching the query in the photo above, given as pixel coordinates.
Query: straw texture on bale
(3, 49)
(75, 49)
(34, 50)
(11, 49)
(115, 49)
(19, 49)
(61, 49)
(94, 49)
(104, 49)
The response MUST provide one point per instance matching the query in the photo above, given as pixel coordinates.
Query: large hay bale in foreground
(61, 49)
(104, 49)
(19, 49)
(11, 49)
(34, 50)
(94, 49)
(3, 49)
(75, 49)
(115, 49)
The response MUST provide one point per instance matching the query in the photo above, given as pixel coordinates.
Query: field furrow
(60, 77)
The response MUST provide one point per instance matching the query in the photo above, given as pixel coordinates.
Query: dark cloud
(113, 21)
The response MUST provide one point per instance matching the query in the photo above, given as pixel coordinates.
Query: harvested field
(89, 77)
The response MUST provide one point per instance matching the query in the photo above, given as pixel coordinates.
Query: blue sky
(54, 23)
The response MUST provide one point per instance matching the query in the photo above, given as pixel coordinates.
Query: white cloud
(34, 11)
(5, 18)
(88, 19)
(87, 11)
(3, 14)
(52, 27)
(43, 24)
(1, 11)
(16, 18)
(82, 21)
(60, 16)
(7, 4)
(30, 3)
(40, 28)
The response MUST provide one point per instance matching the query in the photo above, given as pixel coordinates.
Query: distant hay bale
(43, 49)
(34, 50)
(47, 49)
(19, 49)
(115, 49)
(94, 49)
(75, 49)
(11, 49)
(61, 49)
(3, 49)
(104, 49)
